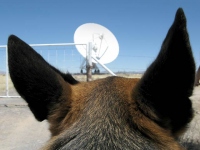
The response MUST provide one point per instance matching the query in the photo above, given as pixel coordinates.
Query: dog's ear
(168, 82)
(34, 79)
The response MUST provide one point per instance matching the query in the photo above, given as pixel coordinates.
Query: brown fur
(79, 100)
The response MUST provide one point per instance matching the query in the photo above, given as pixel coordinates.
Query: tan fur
(124, 87)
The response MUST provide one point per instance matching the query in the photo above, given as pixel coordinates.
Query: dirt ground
(191, 138)
(20, 131)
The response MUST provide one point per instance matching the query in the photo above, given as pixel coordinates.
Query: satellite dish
(105, 45)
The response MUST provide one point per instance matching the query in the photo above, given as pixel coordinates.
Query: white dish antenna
(105, 46)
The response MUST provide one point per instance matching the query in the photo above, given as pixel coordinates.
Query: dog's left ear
(168, 82)
(39, 83)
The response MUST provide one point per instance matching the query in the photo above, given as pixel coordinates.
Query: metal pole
(89, 61)
(104, 66)
(7, 70)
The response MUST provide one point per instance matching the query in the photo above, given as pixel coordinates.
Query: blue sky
(140, 26)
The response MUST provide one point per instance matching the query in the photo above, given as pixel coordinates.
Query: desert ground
(20, 131)
(79, 77)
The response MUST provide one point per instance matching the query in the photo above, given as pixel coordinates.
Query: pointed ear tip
(11, 39)
(14, 41)
(180, 15)
(180, 10)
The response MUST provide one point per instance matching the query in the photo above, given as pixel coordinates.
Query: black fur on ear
(168, 82)
(34, 79)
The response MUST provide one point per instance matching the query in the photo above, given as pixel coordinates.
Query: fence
(63, 56)
(66, 58)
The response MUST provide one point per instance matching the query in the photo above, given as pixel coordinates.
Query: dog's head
(115, 112)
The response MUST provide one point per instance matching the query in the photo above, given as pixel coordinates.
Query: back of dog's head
(115, 112)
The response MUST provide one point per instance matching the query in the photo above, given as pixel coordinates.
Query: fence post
(197, 77)
(89, 62)
(7, 87)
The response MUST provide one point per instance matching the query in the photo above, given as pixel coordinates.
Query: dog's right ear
(34, 79)
(168, 82)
